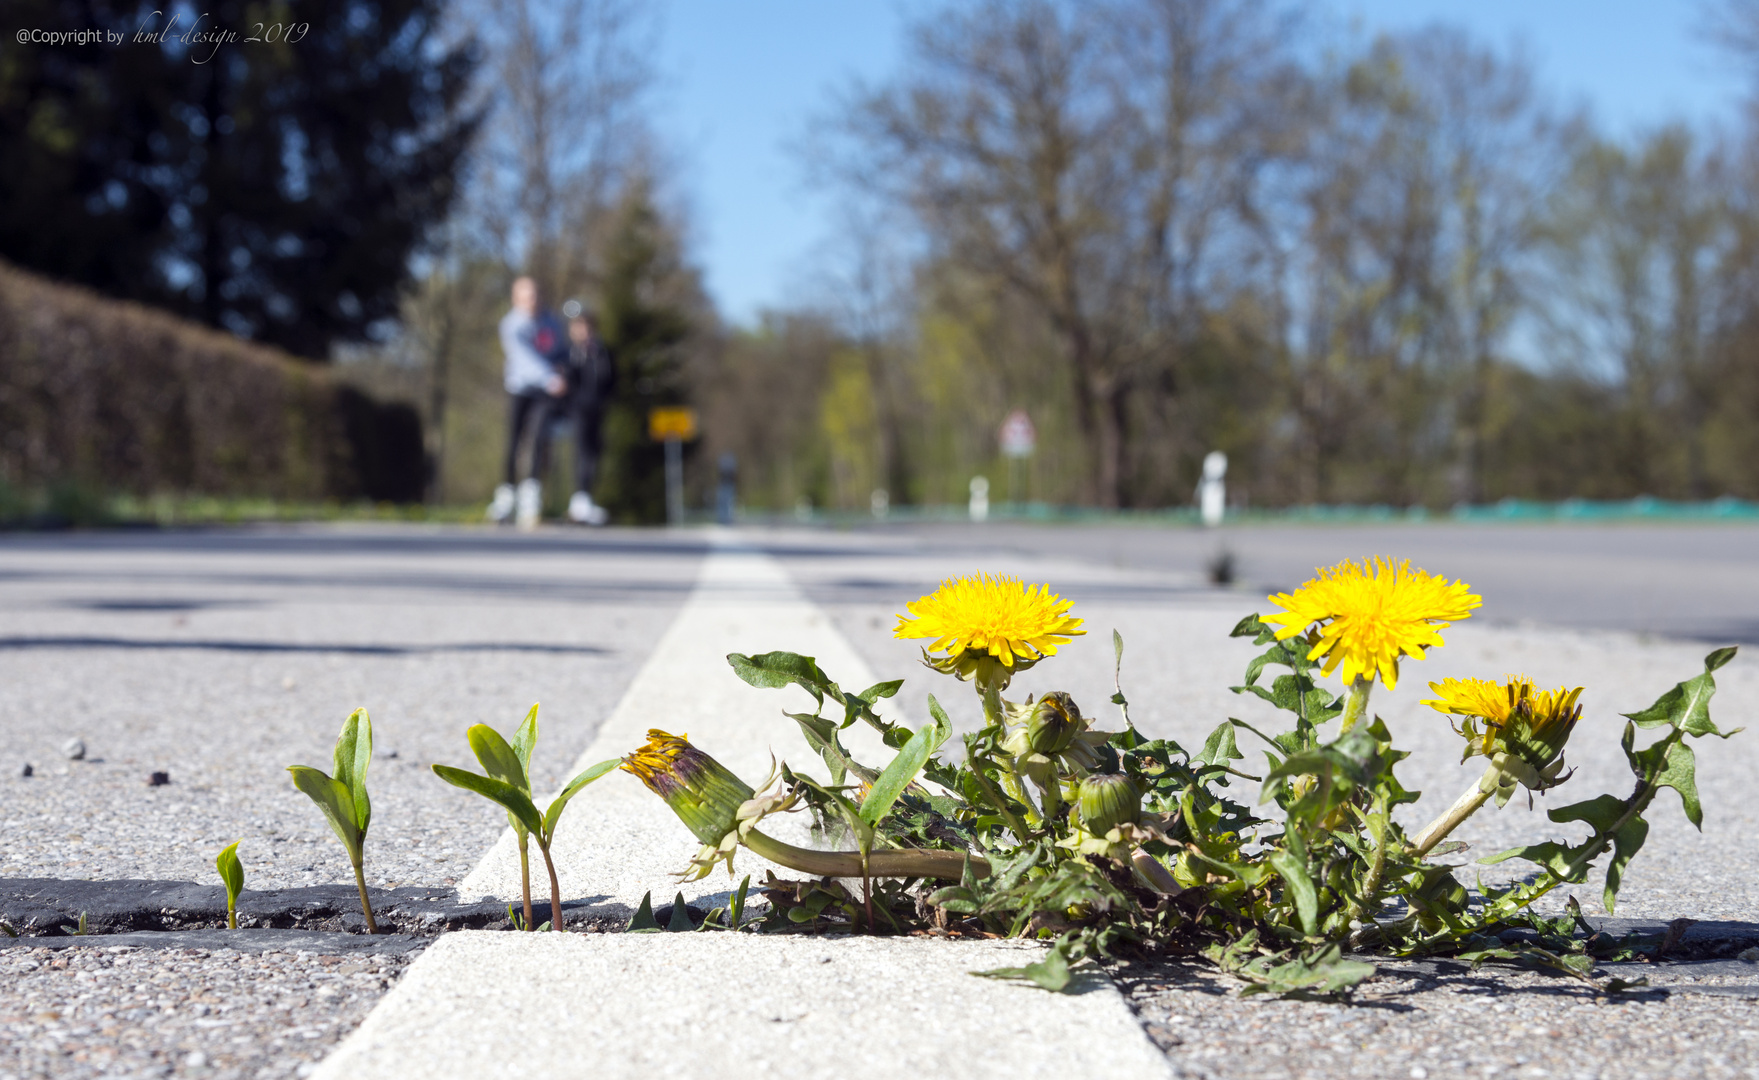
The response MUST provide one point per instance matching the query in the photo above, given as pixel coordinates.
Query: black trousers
(528, 435)
(589, 444)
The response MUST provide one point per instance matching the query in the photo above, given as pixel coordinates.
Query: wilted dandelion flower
(985, 620)
(700, 790)
(1370, 615)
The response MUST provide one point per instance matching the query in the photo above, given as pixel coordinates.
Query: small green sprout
(232, 873)
(6, 928)
(343, 797)
(498, 765)
(508, 784)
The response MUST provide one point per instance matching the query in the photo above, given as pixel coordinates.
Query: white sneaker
(582, 510)
(501, 506)
(531, 503)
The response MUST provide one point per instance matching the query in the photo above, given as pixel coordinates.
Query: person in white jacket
(535, 348)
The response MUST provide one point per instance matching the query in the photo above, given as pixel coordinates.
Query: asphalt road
(223, 656)
(1693, 581)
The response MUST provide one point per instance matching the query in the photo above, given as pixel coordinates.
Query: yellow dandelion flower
(1372, 614)
(1482, 698)
(998, 616)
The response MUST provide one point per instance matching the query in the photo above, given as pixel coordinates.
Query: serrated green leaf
(1250, 626)
(231, 871)
(1687, 705)
(354, 752)
(1672, 763)
(1051, 973)
(774, 670)
(1220, 748)
(881, 691)
(560, 803)
(334, 800)
(499, 791)
(1602, 812)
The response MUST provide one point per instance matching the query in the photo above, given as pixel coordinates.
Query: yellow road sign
(671, 422)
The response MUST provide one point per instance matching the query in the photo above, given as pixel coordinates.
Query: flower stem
(366, 906)
(902, 862)
(525, 876)
(1356, 702)
(555, 889)
(1464, 807)
(995, 798)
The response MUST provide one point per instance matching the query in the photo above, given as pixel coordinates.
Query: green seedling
(232, 874)
(76, 931)
(6, 928)
(515, 770)
(508, 784)
(343, 797)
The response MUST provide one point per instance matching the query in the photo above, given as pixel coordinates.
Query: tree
(274, 188)
(1095, 159)
(651, 309)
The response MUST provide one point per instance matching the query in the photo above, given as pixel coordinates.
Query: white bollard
(1212, 492)
(880, 502)
(979, 498)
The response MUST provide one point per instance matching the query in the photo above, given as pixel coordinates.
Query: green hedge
(117, 397)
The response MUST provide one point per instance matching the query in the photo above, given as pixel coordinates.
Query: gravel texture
(122, 1011)
(1444, 1020)
(221, 658)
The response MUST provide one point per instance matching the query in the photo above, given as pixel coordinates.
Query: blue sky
(740, 80)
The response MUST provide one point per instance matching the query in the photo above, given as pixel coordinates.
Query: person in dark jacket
(592, 375)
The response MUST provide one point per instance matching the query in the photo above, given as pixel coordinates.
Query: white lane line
(478, 1005)
(618, 840)
(482, 1006)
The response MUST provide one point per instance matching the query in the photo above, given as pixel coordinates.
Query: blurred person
(592, 374)
(536, 352)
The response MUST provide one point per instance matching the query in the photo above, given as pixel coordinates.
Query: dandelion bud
(1540, 723)
(704, 794)
(1054, 724)
(1107, 801)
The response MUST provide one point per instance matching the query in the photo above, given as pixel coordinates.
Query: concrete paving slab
(608, 1006)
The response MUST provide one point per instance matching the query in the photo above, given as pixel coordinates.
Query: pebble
(27, 772)
(70, 1014)
(75, 749)
(159, 779)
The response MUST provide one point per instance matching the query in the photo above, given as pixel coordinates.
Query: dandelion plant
(1102, 842)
